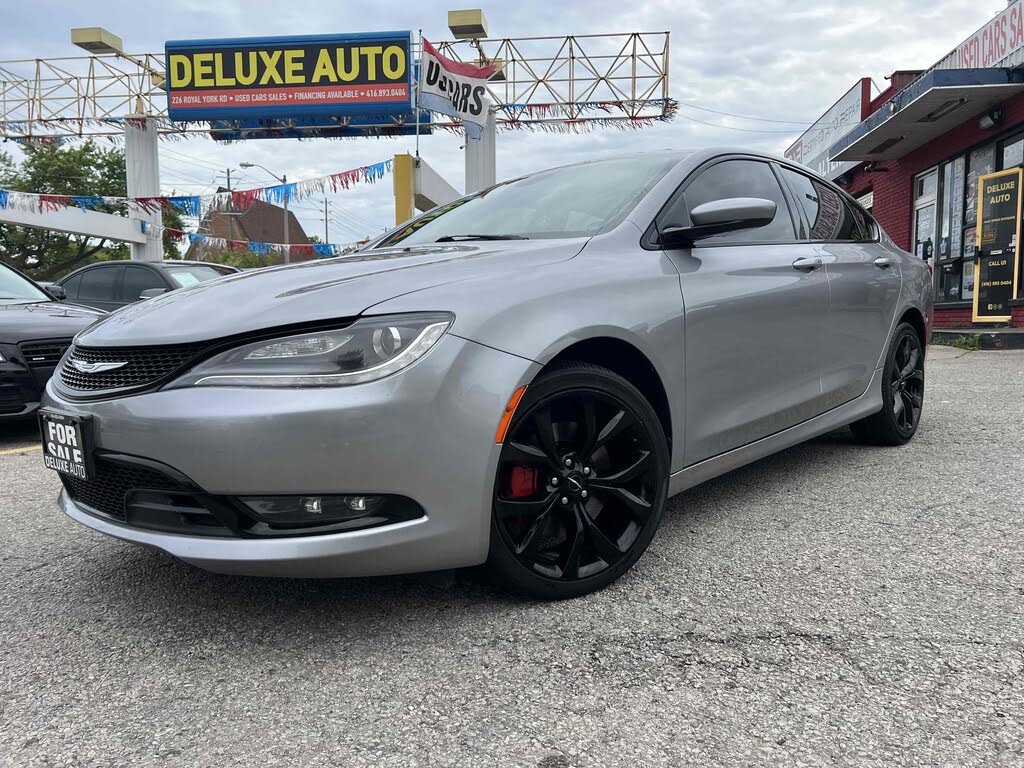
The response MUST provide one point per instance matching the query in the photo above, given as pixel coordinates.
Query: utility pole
(287, 250)
(231, 210)
(327, 237)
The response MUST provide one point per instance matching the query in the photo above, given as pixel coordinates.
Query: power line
(734, 128)
(804, 123)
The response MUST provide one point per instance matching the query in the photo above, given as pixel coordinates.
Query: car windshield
(185, 275)
(15, 289)
(575, 201)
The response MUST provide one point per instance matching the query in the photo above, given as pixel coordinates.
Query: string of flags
(622, 115)
(198, 205)
(306, 250)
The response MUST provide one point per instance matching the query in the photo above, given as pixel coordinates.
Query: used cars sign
(281, 77)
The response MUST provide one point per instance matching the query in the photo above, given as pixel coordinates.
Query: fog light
(316, 511)
(363, 503)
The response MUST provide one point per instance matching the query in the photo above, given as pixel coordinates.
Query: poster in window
(967, 291)
(983, 161)
(955, 213)
(998, 232)
(969, 235)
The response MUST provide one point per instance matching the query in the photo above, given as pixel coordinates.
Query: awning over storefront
(935, 103)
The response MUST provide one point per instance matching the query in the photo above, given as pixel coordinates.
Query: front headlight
(369, 349)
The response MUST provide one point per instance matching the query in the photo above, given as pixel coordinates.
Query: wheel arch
(629, 362)
(915, 318)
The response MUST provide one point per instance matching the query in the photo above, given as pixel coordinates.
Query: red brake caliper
(522, 481)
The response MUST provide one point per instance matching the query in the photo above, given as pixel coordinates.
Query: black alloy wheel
(581, 484)
(902, 393)
(906, 382)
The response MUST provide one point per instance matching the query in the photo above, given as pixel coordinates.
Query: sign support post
(142, 166)
(997, 246)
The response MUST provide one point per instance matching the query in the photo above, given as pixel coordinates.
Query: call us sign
(998, 235)
(284, 77)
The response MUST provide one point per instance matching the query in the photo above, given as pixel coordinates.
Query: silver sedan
(519, 378)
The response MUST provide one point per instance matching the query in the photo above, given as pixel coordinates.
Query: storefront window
(1013, 152)
(982, 161)
(925, 188)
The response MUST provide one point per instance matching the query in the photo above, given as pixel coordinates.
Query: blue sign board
(289, 77)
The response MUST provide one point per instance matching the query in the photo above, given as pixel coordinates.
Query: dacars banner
(455, 88)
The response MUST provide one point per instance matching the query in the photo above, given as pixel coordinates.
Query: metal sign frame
(1017, 174)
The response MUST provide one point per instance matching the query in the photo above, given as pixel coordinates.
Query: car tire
(902, 393)
(581, 484)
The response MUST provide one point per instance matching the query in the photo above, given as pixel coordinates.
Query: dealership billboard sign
(993, 44)
(811, 149)
(289, 77)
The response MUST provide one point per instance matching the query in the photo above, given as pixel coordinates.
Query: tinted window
(741, 178)
(830, 215)
(71, 286)
(98, 284)
(575, 201)
(137, 280)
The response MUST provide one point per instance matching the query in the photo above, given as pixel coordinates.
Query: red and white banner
(455, 88)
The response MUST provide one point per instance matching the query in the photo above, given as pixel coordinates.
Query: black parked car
(110, 285)
(35, 330)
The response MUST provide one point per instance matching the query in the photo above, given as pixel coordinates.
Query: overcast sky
(771, 59)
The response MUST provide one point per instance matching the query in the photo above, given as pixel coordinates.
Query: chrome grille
(143, 366)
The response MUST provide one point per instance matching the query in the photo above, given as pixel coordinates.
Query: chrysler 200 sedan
(519, 378)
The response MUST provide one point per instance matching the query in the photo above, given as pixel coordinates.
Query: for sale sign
(998, 234)
(283, 77)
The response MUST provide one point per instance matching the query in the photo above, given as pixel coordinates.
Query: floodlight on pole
(97, 40)
(284, 180)
(469, 24)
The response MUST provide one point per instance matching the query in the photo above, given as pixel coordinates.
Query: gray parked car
(521, 377)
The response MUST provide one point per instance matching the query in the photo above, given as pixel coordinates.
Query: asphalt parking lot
(832, 605)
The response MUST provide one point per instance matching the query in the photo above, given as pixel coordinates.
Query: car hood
(316, 290)
(46, 320)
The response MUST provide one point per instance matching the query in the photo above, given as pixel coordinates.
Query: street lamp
(283, 180)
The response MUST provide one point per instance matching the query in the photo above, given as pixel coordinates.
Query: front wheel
(902, 393)
(581, 484)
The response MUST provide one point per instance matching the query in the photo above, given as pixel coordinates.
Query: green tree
(82, 169)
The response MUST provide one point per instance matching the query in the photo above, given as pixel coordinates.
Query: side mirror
(150, 293)
(56, 292)
(718, 216)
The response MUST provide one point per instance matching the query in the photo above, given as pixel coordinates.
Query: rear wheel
(581, 484)
(902, 393)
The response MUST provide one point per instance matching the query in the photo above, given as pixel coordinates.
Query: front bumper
(426, 433)
(20, 386)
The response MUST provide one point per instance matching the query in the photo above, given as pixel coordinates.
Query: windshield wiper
(454, 238)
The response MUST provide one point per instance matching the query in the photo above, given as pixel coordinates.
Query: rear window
(191, 274)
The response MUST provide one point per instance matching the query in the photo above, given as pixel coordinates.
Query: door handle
(884, 262)
(807, 264)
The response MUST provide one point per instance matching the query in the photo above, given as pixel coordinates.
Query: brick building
(913, 154)
(260, 222)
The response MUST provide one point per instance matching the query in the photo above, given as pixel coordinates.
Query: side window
(829, 214)
(71, 286)
(863, 225)
(98, 284)
(137, 280)
(740, 178)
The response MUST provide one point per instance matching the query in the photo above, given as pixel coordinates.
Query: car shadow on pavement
(129, 581)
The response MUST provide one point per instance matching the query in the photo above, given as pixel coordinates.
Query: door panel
(754, 343)
(864, 297)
